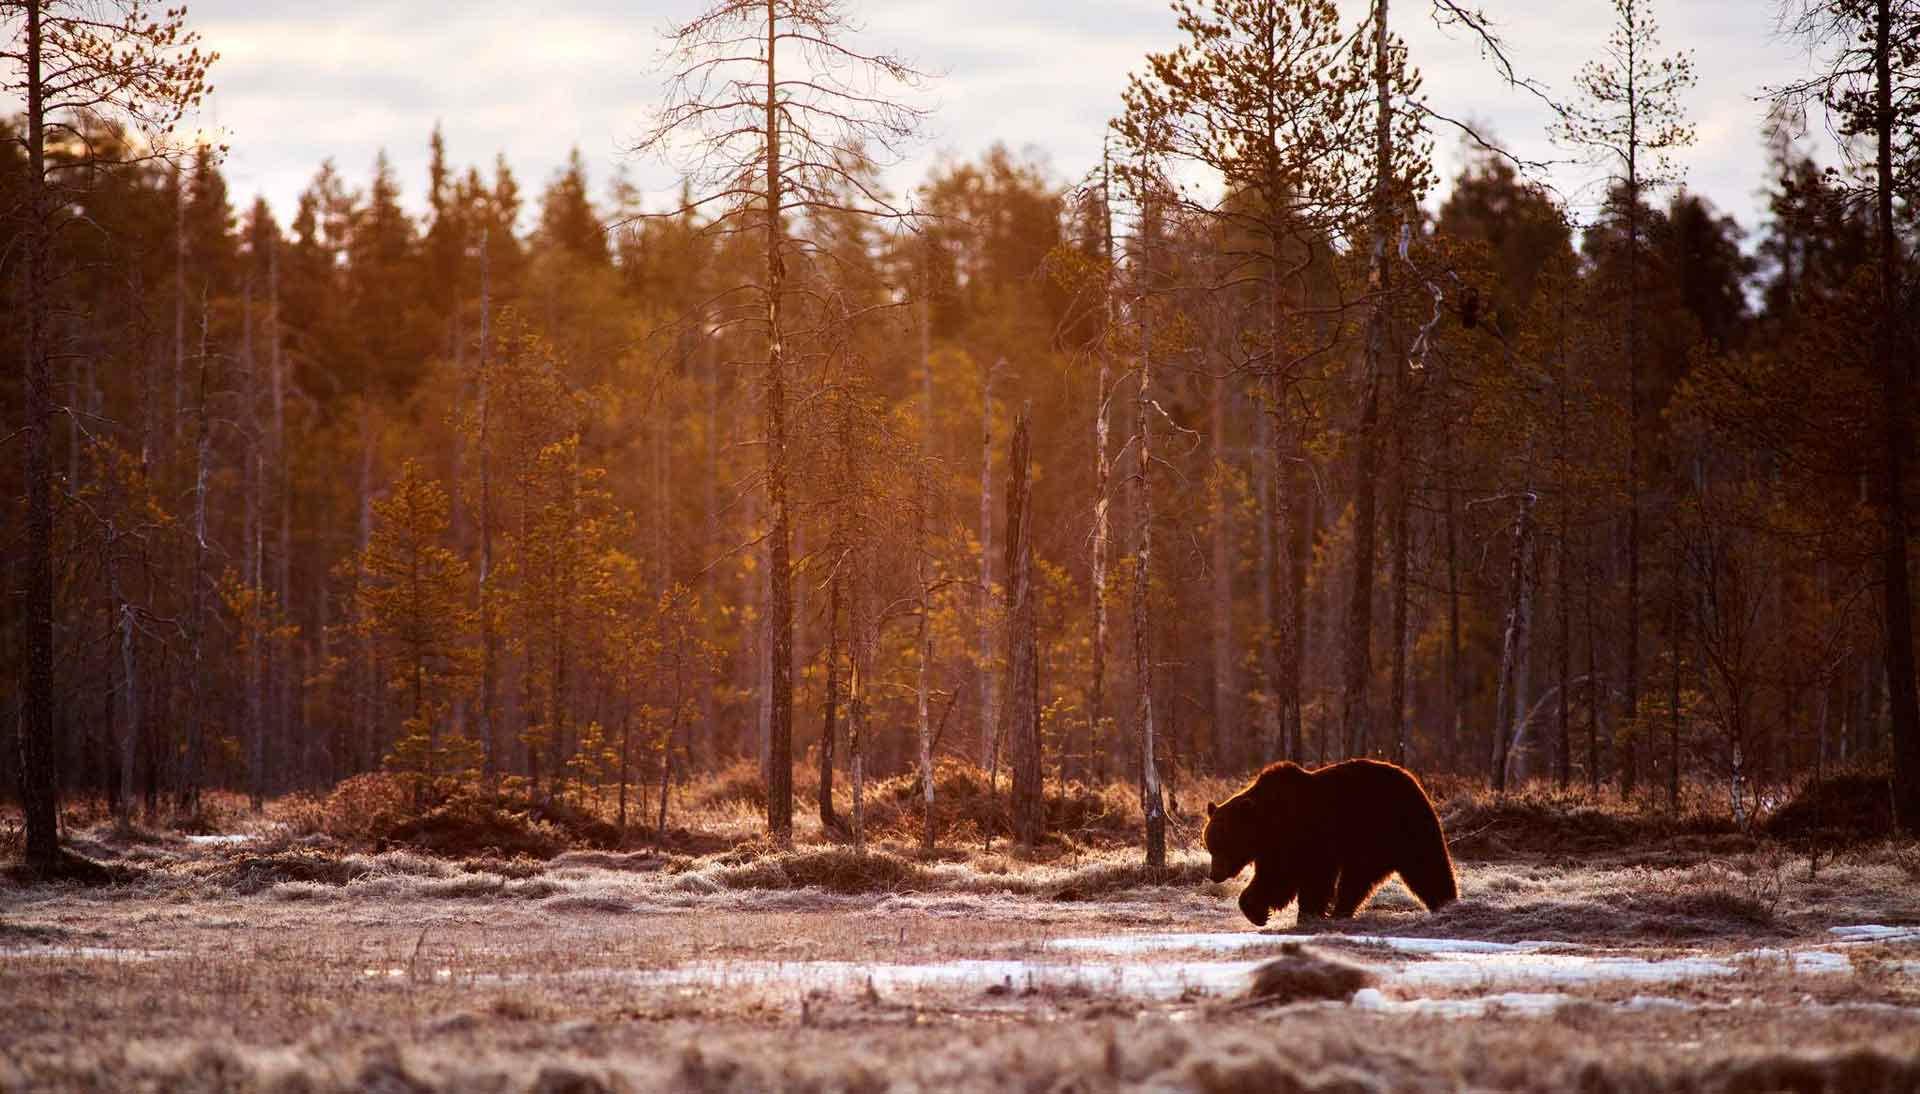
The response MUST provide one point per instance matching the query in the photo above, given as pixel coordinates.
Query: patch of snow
(85, 953)
(1467, 970)
(1656, 1004)
(440, 975)
(1122, 945)
(1229, 941)
(1531, 1004)
(1435, 946)
(1875, 932)
(214, 841)
(1133, 979)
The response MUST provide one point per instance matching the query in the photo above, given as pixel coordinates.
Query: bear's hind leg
(1356, 885)
(1429, 874)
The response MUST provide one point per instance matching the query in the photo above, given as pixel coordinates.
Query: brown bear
(1333, 834)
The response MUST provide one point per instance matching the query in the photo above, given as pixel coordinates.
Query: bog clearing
(1595, 947)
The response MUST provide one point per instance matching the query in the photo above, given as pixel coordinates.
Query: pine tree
(413, 603)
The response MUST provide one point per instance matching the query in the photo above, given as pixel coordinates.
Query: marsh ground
(275, 958)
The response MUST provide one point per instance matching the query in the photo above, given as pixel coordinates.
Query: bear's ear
(1212, 809)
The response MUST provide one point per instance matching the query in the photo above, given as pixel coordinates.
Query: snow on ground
(1146, 966)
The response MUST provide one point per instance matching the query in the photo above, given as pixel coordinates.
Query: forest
(829, 625)
(1255, 441)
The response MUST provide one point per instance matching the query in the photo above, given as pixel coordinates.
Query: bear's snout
(1219, 872)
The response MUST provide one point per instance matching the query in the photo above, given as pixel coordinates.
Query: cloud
(298, 83)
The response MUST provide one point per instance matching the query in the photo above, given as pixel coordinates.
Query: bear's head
(1261, 819)
(1232, 835)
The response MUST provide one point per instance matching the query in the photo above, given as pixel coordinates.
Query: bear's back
(1361, 790)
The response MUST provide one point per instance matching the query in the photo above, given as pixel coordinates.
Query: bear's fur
(1329, 837)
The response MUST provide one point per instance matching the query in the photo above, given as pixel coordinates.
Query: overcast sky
(301, 81)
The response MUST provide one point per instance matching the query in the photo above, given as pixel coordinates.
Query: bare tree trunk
(196, 617)
(829, 824)
(489, 633)
(1272, 743)
(179, 301)
(1593, 674)
(763, 675)
(626, 752)
(1102, 484)
(922, 579)
(857, 714)
(1020, 715)
(39, 773)
(1626, 758)
(364, 720)
(250, 562)
(780, 574)
(673, 729)
(710, 579)
(1511, 706)
(989, 720)
(1451, 700)
(1151, 800)
(1563, 594)
(1397, 518)
(1359, 646)
(663, 479)
(1674, 623)
(1896, 591)
(130, 677)
(1823, 701)
(285, 685)
(1290, 508)
(1225, 724)
(666, 759)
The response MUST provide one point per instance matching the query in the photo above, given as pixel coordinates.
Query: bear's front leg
(1264, 895)
(1316, 889)
(1253, 902)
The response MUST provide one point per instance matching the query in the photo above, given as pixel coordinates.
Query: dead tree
(774, 115)
(1020, 714)
(1511, 702)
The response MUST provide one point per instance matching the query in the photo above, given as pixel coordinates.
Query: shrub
(1841, 810)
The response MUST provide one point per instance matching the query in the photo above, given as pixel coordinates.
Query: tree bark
(284, 686)
(1626, 759)
(1152, 805)
(862, 643)
(989, 721)
(1511, 706)
(780, 728)
(1675, 620)
(39, 776)
(1272, 743)
(489, 634)
(1226, 732)
(196, 610)
(829, 728)
(1897, 596)
(1102, 483)
(923, 547)
(1358, 663)
(1593, 673)
(1451, 701)
(1020, 713)
(1397, 519)
(250, 562)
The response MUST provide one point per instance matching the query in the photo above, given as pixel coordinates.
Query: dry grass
(298, 962)
(1540, 821)
(1843, 810)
